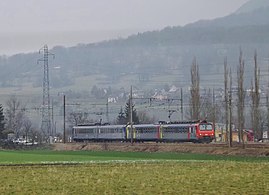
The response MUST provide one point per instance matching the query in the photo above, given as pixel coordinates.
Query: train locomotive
(188, 131)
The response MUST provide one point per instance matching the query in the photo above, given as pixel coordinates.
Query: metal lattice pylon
(46, 115)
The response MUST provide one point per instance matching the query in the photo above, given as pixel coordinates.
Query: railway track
(193, 145)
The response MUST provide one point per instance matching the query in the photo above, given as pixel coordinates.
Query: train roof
(98, 126)
(187, 122)
(146, 125)
(171, 123)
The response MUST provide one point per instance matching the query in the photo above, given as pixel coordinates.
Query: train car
(143, 132)
(193, 131)
(175, 132)
(99, 133)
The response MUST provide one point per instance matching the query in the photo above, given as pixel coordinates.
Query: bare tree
(2, 122)
(15, 114)
(267, 105)
(195, 91)
(241, 97)
(27, 129)
(207, 108)
(144, 118)
(256, 101)
(78, 118)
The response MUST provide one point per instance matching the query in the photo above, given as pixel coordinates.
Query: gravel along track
(250, 149)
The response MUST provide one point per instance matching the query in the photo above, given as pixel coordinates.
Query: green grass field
(30, 172)
(47, 156)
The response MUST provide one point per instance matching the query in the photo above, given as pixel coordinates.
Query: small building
(247, 136)
(11, 136)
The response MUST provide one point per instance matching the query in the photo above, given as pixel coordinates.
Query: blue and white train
(191, 131)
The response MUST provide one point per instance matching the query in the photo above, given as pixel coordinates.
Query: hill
(153, 58)
(253, 5)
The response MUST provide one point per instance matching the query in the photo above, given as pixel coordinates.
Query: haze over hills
(152, 57)
(253, 5)
(27, 25)
(254, 12)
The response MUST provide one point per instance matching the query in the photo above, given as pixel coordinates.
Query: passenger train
(189, 131)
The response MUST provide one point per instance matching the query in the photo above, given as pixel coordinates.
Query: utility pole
(107, 115)
(214, 114)
(230, 112)
(46, 116)
(181, 104)
(131, 115)
(230, 121)
(52, 120)
(64, 119)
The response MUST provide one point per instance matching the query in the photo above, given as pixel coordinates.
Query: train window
(181, 130)
(202, 127)
(176, 129)
(118, 130)
(205, 127)
(147, 130)
(141, 130)
(184, 130)
(85, 131)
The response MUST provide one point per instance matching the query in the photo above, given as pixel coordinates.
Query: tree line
(234, 101)
(14, 121)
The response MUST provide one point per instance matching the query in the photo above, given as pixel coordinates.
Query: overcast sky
(26, 25)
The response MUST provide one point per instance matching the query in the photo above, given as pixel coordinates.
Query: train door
(192, 131)
(130, 133)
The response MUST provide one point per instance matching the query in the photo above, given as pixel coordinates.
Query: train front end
(205, 132)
